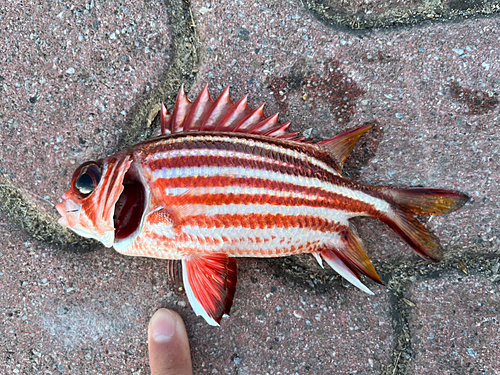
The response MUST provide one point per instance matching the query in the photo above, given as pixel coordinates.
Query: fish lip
(69, 211)
(60, 207)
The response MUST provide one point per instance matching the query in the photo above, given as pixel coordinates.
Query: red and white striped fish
(224, 181)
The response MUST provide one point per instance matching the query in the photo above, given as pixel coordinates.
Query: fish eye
(86, 178)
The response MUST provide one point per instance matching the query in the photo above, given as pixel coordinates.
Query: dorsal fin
(220, 107)
(199, 108)
(340, 146)
(222, 115)
(166, 118)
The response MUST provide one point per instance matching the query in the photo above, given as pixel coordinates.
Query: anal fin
(353, 253)
(347, 256)
(210, 283)
(343, 270)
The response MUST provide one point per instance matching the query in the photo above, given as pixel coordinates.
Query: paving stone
(71, 76)
(69, 313)
(77, 313)
(455, 326)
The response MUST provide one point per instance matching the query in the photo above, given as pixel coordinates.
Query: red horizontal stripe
(320, 197)
(260, 221)
(243, 251)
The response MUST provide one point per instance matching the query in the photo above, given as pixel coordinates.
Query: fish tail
(420, 201)
(426, 201)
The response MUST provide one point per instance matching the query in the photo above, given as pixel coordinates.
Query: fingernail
(163, 326)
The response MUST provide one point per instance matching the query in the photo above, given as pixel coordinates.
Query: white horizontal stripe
(244, 239)
(296, 234)
(329, 214)
(238, 190)
(238, 172)
(254, 143)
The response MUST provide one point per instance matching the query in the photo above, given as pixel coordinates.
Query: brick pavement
(82, 81)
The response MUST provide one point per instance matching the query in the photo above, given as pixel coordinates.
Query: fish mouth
(130, 207)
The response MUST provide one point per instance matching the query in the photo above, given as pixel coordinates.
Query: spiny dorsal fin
(340, 146)
(221, 115)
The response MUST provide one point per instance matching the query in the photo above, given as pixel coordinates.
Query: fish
(224, 181)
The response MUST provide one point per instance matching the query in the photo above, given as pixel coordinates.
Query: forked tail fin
(424, 201)
(420, 201)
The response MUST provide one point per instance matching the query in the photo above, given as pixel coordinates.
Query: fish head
(88, 207)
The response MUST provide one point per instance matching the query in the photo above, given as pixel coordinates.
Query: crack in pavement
(42, 226)
(351, 15)
(397, 276)
(182, 71)
(406, 272)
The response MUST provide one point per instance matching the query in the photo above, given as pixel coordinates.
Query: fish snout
(70, 213)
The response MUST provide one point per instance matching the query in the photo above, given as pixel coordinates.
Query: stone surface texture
(72, 77)
(456, 325)
(61, 74)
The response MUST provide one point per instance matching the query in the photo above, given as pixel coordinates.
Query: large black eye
(86, 178)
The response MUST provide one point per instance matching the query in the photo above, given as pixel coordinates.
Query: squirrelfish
(224, 181)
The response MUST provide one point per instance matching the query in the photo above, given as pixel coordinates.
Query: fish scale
(224, 181)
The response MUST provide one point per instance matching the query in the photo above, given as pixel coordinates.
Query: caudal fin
(420, 201)
(424, 201)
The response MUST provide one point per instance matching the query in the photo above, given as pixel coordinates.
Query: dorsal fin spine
(292, 136)
(181, 108)
(254, 117)
(234, 114)
(278, 131)
(200, 106)
(219, 108)
(166, 120)
(265, 124)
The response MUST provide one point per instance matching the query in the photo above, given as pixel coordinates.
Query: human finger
(168, 344)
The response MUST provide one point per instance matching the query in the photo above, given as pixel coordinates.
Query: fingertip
(168, 344)
(163, 325)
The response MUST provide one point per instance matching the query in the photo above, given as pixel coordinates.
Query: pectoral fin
(210, 283)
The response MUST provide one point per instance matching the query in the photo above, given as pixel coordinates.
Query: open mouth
(129, 208)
